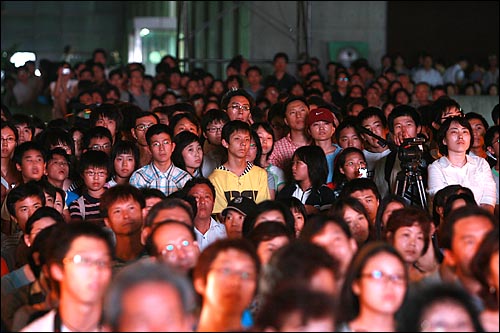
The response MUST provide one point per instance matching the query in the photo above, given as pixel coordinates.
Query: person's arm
(436, 179)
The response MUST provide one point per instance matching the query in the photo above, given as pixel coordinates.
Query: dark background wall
(445, 29)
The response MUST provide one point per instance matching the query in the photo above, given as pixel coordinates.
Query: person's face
(300, 170)
(402, 98)
(252, 151)
(451, 111)
(176, 246)
(163, 117)
(296, 115)
(150, 202)
(298, 220)
(49, 201)
(25, 208)
(478, 132)
(238, 145)
(59, 203)
(110, 124)
(161, 147)
(266, 140)
(124, 165)
(95, 178)
(372, 96)
(8, 142)
(57, 168)
(382, 285)
(185, 125)
(254, 77)
(369, 201)
(446, 316)
(358, 224)
(349, 138)
(356, 93)
(342, 81)
(422, 93)
(270, 215)
(468, 232)
(213, 133)
(24, 132)
(38, 226)
(32, 165)
(409, 241)
(457, 138)
(193, 155)
(266, 248)
(375, 125)
(141, 126)
(168, 315)
(322, 130)
(234, 223)
(392, 206)
(103, 144)
(86, 271)
(124, 217)
(231, 281)
(335, 241)
(204, 200)
(238, 108)
(353, 162)
(173, 213)
(405, 127)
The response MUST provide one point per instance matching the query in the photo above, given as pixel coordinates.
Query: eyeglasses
(226, 272)
(101, 147)
(100, 174)
(214, 129)
(157, 144)
(236, 107)
(86, 262)
(253, 146)
(170, 249)
(143, 127)
(381, 276)
(343, 79)
(9, 139)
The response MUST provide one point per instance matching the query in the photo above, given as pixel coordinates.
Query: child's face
(234, 223)
(57, 168)
(213, 132)
(299, 221)
(124, 165)
(32, 165)
(238, 145)
(300, 170)
(95, 178)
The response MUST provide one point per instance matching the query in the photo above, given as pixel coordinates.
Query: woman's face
(409, 241)
(193, 155)
(358, 224)
(353, 162)
(266, 140)
(457, 138)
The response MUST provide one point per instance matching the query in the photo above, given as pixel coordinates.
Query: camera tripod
(410, 186)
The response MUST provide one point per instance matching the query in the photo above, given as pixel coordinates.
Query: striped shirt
(88, 211)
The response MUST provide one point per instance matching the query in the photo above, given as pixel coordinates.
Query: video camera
(411, 150)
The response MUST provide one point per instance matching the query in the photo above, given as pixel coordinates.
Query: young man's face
(95, 178)
(59, 202)
(110, 124)
(238, 108)
(405, 127)
(213, 132)
(57, 168)
(141, 127)
(234, 223)
(25, 208)
(369, 201)
(124, 216)
(238, 145)
(32, 165)
(322, 130)
(24, 132)
(103, 144)
(375, 125)
(296, 115)
(161, 147)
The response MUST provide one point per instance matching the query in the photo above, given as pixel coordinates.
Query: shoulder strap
(81, 206)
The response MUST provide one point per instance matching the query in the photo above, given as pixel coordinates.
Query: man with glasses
(98, 138)
(213, 151)
(237, 103)
(161, 173)
(143, 121)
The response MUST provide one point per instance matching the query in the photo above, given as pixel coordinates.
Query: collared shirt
(282, 152)
(475, 174)
(168, 182)
(216, 231)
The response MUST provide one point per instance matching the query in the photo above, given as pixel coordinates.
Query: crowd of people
(355, 200)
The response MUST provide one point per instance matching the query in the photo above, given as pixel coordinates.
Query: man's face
(161, 147)
(296, 115)
(32, 165)
(25, 208)
(24, 132)
(238, 145)
(110, 124)
(141, 126)
(213, 132)
(204, 200)
(405, 128)
(124, 217)
(322, 130)
(375, 125)
(103, 144)
(369, 201)
(173, 213)
(238, 108)
(478, 132)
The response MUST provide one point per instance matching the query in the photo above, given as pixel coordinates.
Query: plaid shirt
(282, 153)
(168, 182)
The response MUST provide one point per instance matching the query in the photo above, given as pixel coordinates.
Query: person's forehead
(32, 153)
(145, 119)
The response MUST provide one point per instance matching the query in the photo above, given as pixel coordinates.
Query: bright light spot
(155, 57)
(37, 72)
(144, 32)
(20, 58)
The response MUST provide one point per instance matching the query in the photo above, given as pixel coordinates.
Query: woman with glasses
(374, 290)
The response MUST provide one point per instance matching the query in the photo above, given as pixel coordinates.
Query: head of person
(57, 168)
(235, 213)
(149, 296)
(121, 207)
(479, 127)
(174, 244)
(94, 169)
(354, 213)
(269, 211)
(10, 137)
(29, 158)
(211, 124)
(109, 116)
(300, 261)
(444, 108)
(41, 219)
(151, 197)
(24, 125)
(237, 103)
(160, 143)
(461, 234)
(321, 124)
(347, 134)
(404, 122)
(373, 119)
(143, 121)
(309, 162)
(388, 204)
(203, 191)
(23, 200)
(98, 138)
(125, 158)
(299, 213)
(408, 230)
(458, 200)
(441, 307)
(55, 137)
(235, 134)
(376, 270)
(491, 140)
(365, 190)
(455, 133)
(350, 163)
(439, 201)
(267, 237)
(296, 113)
(188, 152)
(185, 121)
